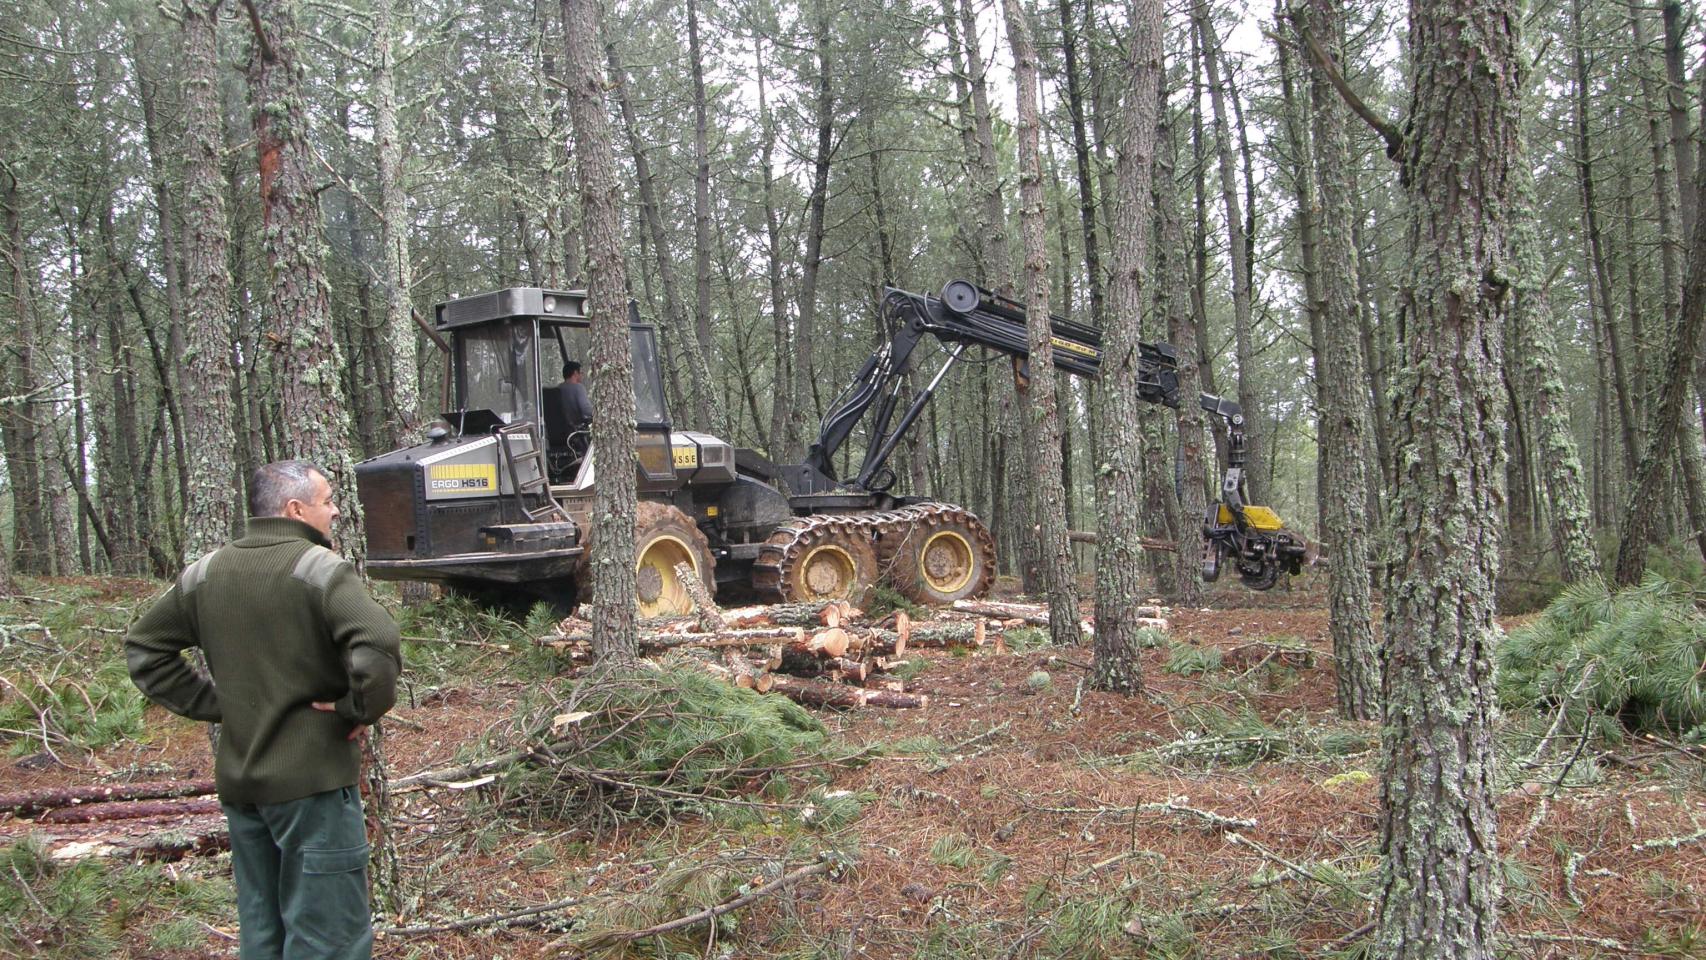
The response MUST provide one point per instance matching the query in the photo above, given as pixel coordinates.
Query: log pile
(820, 654)
(162, 820)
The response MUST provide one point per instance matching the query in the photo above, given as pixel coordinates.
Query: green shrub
(56, 712)
(643, 741)
(885, 600)
(1634, 654)
(84, 909)
(1186, 660)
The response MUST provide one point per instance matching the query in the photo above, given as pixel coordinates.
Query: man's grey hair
(276, 484)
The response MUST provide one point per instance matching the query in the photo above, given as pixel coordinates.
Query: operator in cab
(577, 406)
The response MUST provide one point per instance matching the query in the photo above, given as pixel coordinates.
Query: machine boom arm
(966, 315)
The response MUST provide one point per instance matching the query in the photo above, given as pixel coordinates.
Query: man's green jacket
(284, 622)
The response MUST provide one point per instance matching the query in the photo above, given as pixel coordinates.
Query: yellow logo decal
(1071, 347)
(686, 456)
(463, 478)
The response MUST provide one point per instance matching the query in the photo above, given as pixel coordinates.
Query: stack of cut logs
(819, 654)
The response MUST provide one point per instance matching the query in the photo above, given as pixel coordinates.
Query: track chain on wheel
(848, 572)
(966, 557)
(775, 575)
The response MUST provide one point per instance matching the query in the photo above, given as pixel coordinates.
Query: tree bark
(1173, 287)
(305, 354)
(1040, 416)
(612, 563)
(1344, 429)
(213, 510)
(1117, 654)
(1237, 253)
(1640, 517)
(1439, 880)
(403, 412)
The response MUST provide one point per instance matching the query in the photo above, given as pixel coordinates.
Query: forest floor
(1226, 813)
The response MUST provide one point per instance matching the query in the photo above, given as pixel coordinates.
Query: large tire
(944, 557)
(817, 559)
(663, 537)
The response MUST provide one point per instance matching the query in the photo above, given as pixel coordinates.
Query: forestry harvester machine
(499, 500)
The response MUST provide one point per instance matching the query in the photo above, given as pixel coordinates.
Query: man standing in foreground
(302, 661)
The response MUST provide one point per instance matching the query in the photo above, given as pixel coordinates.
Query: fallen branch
(1171, 807)
(458, 642)
(475, 923)
(30, 802)
(452, 776)
(712, 913)
(1238, 839)
(710, 618)
(1668, 843)
(834, 695)
(130, 810)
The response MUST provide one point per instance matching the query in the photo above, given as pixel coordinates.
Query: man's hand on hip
(360, 728)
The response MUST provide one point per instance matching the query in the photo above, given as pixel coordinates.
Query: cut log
(903, 632)
(834, 695)
(826, 643)
(29, 802)
(878, 642)
(1030, 613)
(710, 618)
(962, 634)
(754, 637)
(130, 810)
(157, 838)
(803, 614)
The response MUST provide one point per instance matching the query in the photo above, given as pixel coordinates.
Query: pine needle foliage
(90, 908)
(1638, 654)
(646, 741)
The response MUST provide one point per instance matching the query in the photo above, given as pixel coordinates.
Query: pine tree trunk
(19, 421)
(614, 634)
(1344, 428)
(213, 509)
(782, 344)
(1081, 161)
(1173, 287)
(1542, 388)
(805, 327)
(1439, 880)
(404, 412)
(1041, 418)
(712, 414)
(1640, 517)
(1238, 253)
(306, 358)
(1199, 244)
(1600, 278)
(677, 332)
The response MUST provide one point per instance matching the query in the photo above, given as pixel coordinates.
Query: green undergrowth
(884, 600)
(1633, 654)
(1212, 736)
(647, 741)
(63, 680)
(682, 882)
(94, 908)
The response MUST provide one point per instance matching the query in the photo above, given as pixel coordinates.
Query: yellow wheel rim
(658, 591)
(946, 562)
(828, 571)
